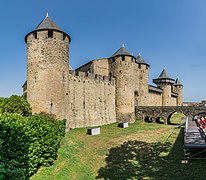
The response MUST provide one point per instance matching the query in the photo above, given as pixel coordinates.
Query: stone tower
(143, 80)
(178, 88)
(123, 68)
(47, 67)
(165, 83)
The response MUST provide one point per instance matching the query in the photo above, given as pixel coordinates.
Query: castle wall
(153, 99)
(173, 101)
(90, 101)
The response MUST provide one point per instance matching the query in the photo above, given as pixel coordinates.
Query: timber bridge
(155, 113)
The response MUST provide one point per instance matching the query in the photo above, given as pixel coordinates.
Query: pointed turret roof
(47, 23)
(177, 82)
(164, 75)
(163, 78)
(122, 52)
(140, 60)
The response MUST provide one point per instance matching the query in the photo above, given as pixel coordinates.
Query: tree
(15, 104)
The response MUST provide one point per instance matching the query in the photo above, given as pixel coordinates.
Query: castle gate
(153, 113)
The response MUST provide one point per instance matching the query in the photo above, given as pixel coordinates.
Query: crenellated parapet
(92, 77)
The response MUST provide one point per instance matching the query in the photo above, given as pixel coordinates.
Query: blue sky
(169, 34)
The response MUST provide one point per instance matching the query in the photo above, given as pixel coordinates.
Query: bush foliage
(26, 143)
(15, 104)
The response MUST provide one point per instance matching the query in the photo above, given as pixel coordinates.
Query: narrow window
(89, 70)
(50, 34)
(64, 37)
(110, 76)
(35, 77)
(35, 35)
(63, 77)
(123, 58)
(51, 106)
(83, 104)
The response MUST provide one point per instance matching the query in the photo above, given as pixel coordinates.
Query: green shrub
(15, 104)
(14, 147)
(45, 135)
(26, 143)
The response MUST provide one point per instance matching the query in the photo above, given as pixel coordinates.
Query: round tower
(122, 68)
(165, 83)
(178, 88)
(47, 67)
(143, 80)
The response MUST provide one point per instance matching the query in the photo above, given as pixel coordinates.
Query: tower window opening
(64, 37)
(35, 35)
(35, 76)
(136, 93)
(51, 106)
(63, 76)
(110, 76)
(123, 58)
(84, 107)
(139, 66)
(50, 34)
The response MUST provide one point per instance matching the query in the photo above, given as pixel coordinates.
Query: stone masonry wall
(123, 70)
(90, 101)
(98, 66)
(101, 67)
(47, 64)
(154, 99)
(143, 85)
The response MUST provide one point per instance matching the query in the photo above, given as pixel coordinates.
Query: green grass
(142, 151)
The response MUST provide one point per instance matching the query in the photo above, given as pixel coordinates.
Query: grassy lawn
(142, 151)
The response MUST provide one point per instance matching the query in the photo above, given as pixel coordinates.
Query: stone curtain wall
(154, 99)
(90, 100)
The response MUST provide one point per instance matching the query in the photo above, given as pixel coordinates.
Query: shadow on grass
(142, 160)
(133, 159)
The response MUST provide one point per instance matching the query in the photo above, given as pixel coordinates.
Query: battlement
(47, 35)
(129, 63)
(94, 77)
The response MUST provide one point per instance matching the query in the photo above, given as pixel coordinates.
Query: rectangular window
(50, 34)
(35, 35)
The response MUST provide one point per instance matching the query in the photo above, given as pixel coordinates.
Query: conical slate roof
(164, 78)
(140, 60)
(177, 82)
(121, 52)
(47, 23)
(164, 75)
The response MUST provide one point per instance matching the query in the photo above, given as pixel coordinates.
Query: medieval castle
(100, 92)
